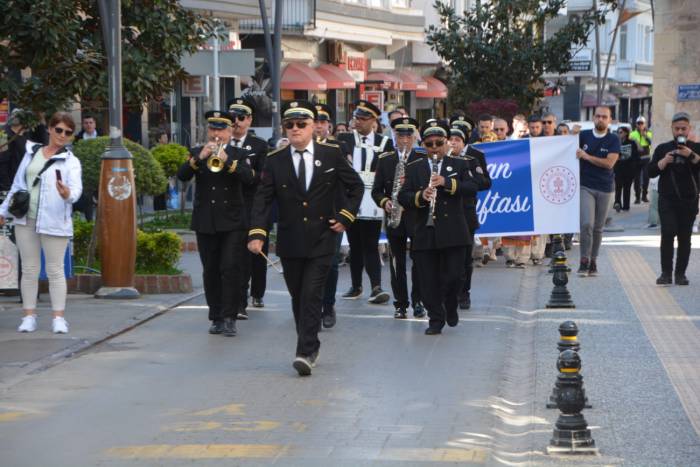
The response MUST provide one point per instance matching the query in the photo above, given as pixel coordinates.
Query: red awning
(590, 99)
(387, 80)
(412, 82)
(436, 89)
(335, 77)
(300, 77)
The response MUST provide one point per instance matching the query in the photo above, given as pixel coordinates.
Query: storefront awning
(590, 99)
(335, 77)
(436, 89)
(388, 81)
(300, 77)
(412, 82)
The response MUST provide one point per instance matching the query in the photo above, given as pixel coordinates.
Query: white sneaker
(28, 324)
(59, 325)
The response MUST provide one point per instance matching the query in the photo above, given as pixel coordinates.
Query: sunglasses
(60, 131)
(241, 118)
(548, 122)
(290, 125)
(434, 144)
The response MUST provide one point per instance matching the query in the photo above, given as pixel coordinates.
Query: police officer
(365, 146)
(476, 163)
(405, 129)
(303, 178)
(435, 189)
(253, 152)
(219, 218)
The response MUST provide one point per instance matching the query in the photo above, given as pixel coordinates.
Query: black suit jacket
(253, 152)
(218, 197)
(384, 184)
(303, 228)
(451, 228)
(379, 143)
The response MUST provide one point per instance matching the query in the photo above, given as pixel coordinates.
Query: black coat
(475, 158)
(380, 143)
(218, 197)
(384, 184)
(451, 228)
(253, 152)
(303, 228)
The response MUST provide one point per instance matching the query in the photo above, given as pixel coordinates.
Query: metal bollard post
(568, 340)
(560, 297)
(571, 433)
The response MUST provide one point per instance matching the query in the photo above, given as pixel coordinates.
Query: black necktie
(364, 153)
(302, 169)
(236, 142)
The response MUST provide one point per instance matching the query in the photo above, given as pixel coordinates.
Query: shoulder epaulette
(414, 161)
(272, 153)
(386, 154)
(256, 137)
(328, 144)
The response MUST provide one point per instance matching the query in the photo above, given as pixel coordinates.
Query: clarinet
(394, 217)
(431, 214)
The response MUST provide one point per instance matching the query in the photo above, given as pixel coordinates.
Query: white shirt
(357, 153)
(308, 161)
(92, 135)
(240, 142)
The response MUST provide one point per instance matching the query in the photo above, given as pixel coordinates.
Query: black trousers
(641, 180)
(440, 273)
(623, 188)
(332, 279)
(676, 218)
(221, 254)
(398, 246)
(306, 278)
(468, 270)
(255, 275)
(363, 237)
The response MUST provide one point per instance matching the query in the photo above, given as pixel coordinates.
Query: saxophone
(394, 217)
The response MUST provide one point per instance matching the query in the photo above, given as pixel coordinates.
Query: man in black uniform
(405, 129)
(435, 189)
(365, 146)
(219, 218)
(253, 152)
(323, 128)
(303, 178)
(476, 163)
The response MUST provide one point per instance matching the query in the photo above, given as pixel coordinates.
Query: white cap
(641, 119)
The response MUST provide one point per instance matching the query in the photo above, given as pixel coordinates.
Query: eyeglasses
(434, 144)
(241, 118)
(548, 122)
(59, 131)
(289, 125)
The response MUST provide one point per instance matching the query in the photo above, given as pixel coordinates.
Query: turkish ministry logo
(558, 185)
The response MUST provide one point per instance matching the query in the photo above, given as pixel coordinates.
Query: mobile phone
(58, 175)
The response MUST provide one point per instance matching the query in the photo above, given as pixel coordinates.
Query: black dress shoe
(229, 327)
(242, 313)
(418, 310)
(465, 302)
(258, 303)
(217, 326)
(400, 313)
(664, 279)
(328, 317)
(680, 279)
(452, 318)
(433, 331)
(353, 293)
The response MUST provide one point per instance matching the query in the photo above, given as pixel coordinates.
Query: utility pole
(117, 196)
(599, 89)
(277, 74)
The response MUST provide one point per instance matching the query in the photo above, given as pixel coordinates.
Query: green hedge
(170, 157)
(149, 175)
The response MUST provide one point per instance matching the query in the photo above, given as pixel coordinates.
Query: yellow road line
(249, 451)
(669, 329)
(12, 416)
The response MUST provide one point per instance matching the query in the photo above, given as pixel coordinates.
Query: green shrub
(157, 252)
(82, 231)
(149, 176)
(170, 157)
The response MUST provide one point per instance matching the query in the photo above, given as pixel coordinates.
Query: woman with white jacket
(48, 223)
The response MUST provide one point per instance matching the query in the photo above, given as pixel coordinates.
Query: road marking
(254, 425)
(12, 416)
(230, 409)
(243, 451)
(667, 326)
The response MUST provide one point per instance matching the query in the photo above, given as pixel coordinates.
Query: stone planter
(145, 284)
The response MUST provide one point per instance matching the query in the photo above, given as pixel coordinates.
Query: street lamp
(117, 198)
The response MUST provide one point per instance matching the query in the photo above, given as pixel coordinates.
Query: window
(623, 42)
(648, 44)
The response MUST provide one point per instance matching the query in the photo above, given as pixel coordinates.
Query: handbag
(19, 204)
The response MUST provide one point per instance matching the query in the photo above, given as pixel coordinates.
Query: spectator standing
(519, 127)
(534, 126)
(625, 170)
(642, 136)
(677, 164)
(598, 152)
(549, 124)
(47, 225)
(89, 130)
(563, 129)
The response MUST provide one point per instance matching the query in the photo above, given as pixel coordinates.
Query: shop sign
(4, 111)
(195, 86)
(356, 64)
(375, 97)
(688, 92)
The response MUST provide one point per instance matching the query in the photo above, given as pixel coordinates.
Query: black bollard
(568, 340)
(571, 433)
(557, 246)
(560, 297)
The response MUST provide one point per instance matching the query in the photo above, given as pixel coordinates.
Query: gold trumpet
(215, 162)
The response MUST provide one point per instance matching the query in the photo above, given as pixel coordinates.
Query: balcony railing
(297, 15)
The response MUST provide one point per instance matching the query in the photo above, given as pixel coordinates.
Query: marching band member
(435, 188)
(253, 152)
(219, 219)
(398, 223)
(476, 163)
(303, 178)
(365, 146)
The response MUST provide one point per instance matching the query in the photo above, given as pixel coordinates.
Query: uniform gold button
(213, 201)
(305, 219)
(321, 217)
(445, 215)
(305, 204)
(213, 188)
